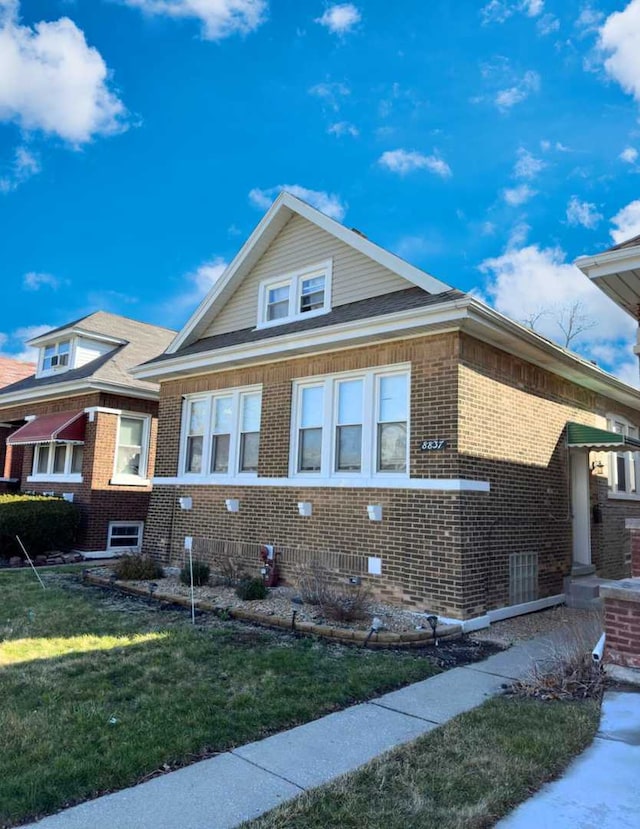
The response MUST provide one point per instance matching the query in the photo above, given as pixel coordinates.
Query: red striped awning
(65, 427)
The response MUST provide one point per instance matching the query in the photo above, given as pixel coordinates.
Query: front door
(580, 508)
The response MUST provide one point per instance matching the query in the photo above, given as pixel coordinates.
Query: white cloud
(627, 222)
(33, 281)
(547, 24)
(532, 8)
(25, 164)
(525, 281)
(582, 213)
(406, 161)
(620, 38)
(515, 196)
(629, 154)
(519, 92)
(588, 21)
(14, 343)
(328, 203)
(340, 19)
(330, 92)
(219, 18)
(499, 11)
(52, 81)
(343, 128)
(527, 166)
(194, 286)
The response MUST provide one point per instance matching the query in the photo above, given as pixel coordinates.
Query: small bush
(201, 572)
(43, 524)
(340, 603)
(230, 570)
(251, 589)
(132, 567)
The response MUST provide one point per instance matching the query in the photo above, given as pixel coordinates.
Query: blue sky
(141, 140)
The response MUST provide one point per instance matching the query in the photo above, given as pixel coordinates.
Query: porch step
(583, 591)
(579, 570)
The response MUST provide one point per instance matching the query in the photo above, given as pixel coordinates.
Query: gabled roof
(628, 243)
(283, 208)
(13, 370)
(139, 342)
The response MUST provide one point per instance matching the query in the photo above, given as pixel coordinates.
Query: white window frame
(234, 470)
(631, 461)
(142, 478)
(371, 384)
(67, 476)
(136, 548)
(294, 280)
(56, 345)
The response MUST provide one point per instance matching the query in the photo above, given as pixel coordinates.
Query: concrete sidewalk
(600, 789)
(226, 790)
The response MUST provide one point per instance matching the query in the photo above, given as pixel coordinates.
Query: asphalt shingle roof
(142, 342)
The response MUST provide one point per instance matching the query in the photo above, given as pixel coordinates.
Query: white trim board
(283, 208)
(74, 388)
(508, 612)
(433, 484)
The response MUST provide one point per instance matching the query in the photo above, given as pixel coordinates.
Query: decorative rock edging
(382, 640)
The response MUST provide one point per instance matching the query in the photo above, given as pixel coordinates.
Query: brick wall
(503, 420)
(98, 501)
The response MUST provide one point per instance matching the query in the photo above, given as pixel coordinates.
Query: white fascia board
(73, 389)
(609, 262)
(43, 339)
(290, 205)
(288, 345)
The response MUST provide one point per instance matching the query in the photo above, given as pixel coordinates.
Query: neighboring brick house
(83, 427)
(342, 405)
(13, 370)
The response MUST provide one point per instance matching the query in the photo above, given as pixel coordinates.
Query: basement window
(125, 536)
(523, 578)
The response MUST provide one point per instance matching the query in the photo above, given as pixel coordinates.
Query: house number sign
(432, 445)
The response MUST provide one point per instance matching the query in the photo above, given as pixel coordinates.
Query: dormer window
(295, 296)
(56, 356)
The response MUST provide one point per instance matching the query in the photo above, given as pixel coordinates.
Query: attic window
(56, 356)
(294, 296)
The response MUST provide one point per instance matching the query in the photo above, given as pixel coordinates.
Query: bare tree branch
(573, 321)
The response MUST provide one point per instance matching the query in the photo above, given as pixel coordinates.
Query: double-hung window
(132, 449)
(56, 356)
(303, 293)
(353, 425)
(55, 461)
(221, 433)
(624, 467)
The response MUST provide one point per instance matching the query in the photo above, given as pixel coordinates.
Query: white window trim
(140, 479)
(64, 477)
(630, 458)
(368, 472)
(49, 372)
(294, 280)
(234, 470)
(134, 549)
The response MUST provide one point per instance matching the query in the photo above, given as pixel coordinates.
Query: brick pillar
(622, 623)
(633, 525)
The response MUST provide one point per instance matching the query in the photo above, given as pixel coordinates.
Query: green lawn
(97, 692)
(465, 775)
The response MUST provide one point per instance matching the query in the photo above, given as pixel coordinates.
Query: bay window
(54, 461)
(353, 425)
(221, 433)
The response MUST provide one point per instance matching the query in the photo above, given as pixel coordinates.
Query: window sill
(129, 480)
(293, 318)
(54, 479)
(624, 496)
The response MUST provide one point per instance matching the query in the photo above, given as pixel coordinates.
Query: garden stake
(33, 567)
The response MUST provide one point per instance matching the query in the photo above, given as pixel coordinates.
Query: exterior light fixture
(597, 466)
(433, 624)
(233, 505)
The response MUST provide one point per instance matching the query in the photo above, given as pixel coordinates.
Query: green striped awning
(599, 440)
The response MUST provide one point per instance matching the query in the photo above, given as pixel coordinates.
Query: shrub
(230, 570)
(568, 671)
(133, 567)
(251, 589)
(43, 524)
(201, 572)
(340, 603)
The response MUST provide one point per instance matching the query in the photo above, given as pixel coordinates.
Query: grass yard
(98, 691)
(465, 775)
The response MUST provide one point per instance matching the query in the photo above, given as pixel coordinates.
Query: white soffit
(617, 274)
(283, 208)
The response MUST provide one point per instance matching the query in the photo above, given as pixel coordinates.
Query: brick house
(13, 370)
(342, 405)
(82, 427)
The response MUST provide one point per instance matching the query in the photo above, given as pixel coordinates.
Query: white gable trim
(283, 208)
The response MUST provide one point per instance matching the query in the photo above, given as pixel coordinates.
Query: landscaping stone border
(378, 640)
